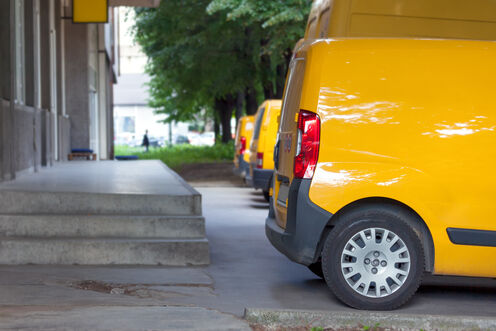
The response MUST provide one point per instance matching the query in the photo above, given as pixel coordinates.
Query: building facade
(56, 85)
(132, 114)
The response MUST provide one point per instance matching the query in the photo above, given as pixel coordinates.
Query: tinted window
(258, 123)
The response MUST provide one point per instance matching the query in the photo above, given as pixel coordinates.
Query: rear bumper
(306, 222)
(244, 167)
(261, 178)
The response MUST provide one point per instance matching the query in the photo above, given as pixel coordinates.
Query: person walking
(146, 141)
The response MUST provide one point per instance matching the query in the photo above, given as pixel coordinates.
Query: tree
(279, 25)
(207, 56)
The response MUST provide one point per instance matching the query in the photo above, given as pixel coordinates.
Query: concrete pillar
(102, 107)
(77, 82)
(10, 123)
(36, 78)
(4, 75)
(53, 78)
(94, 88)
(44, 92)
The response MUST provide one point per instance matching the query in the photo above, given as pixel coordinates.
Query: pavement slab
(120, 318)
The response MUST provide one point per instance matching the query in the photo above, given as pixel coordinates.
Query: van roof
(450, 19)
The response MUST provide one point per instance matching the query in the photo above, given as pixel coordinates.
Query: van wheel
(316, 268)
(373, 259)
(266, 195)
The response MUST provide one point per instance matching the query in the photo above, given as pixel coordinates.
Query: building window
(20, 88)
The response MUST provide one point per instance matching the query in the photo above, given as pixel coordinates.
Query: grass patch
(176, 156)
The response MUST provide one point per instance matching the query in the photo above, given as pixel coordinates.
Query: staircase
(64, 225)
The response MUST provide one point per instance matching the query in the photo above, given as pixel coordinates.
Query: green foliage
(193, 56)
(282, 22)
(204, 50)
(178, 155)
(370, 328)
(317, 328)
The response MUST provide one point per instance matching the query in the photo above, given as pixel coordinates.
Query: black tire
(266, 195)
(350, 225)
(316, 268)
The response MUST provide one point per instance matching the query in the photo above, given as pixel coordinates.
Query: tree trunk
(268, 85)
(251, 101)
(216, 126)
(225, 106)
(239, 106)
(281, 72)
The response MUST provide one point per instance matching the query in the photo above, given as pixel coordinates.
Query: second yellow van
(244, 134)
(262, 146)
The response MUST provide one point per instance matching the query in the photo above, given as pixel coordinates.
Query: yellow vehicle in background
(384, 164)
(262, 146)
(242, 141)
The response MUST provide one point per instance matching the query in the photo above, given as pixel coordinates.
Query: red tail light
(242, 147)
(259, 160)
(307, 147)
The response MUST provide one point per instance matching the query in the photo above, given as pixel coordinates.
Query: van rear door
(286, 145)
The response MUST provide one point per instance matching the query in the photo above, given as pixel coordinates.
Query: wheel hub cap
(375, 262)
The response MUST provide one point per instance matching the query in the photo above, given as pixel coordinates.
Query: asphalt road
(248, 272)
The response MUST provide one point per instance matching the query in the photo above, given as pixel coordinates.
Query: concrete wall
(65, 137)
(46, 138)
(4, 153)
(26, 129)
(61, 62)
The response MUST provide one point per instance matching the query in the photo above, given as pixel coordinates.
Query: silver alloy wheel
(375, 262)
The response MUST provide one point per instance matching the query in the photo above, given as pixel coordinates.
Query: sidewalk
(120, 318)
(108, 298)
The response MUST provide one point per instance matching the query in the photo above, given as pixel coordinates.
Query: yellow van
(262, 146)
(244, 134)
(384, 164)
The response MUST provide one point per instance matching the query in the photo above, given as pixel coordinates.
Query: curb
(274, 319)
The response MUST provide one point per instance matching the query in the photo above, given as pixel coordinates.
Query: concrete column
(36, 78)
(102, 130)
(110, 113)
(77, 84)
(11, 124)
(93, 68)
(29, 51)
(53, 79)
(4, 74)
(46, 147)
(37, 54)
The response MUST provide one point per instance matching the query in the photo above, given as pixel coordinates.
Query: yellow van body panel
(458, 19)
(245, 129)
(413, 121)
(268, 134)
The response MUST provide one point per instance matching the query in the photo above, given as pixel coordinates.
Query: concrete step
(29, 202)
(123, 226)
(104, 251)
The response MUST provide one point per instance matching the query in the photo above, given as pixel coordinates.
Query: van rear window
(292, 95)
(258, 123)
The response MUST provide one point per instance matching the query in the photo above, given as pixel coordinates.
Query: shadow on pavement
(259, 200)
(264, 206)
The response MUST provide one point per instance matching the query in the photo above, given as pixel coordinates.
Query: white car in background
(207, 139)
(204, 139)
